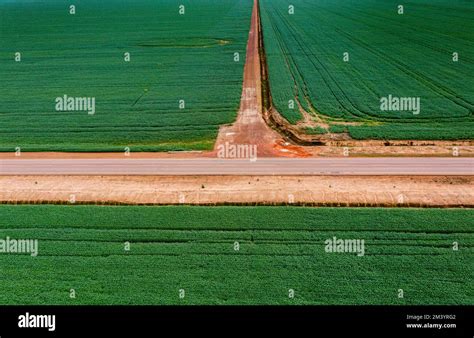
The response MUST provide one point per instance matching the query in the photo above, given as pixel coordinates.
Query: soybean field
(236, 255)
(163, 75)
(342, 61)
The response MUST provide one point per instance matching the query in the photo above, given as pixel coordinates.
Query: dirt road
(250, 127)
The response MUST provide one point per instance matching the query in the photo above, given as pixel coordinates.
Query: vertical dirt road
(250, 127)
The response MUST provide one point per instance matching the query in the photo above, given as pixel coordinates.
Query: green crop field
(409, 54)
(173, 57)
(193, 249)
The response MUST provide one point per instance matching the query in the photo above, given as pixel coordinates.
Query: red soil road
(250, 127)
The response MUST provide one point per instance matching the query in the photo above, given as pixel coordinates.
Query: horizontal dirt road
(261, 166)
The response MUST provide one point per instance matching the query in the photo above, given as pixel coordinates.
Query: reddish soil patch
(250, 127)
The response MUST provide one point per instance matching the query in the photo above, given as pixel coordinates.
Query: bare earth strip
(391, 191)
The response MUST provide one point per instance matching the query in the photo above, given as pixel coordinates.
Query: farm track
(250, 127)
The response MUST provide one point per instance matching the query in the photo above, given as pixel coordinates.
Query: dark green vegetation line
(192, 248)
(407, 55)
(173, 57)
